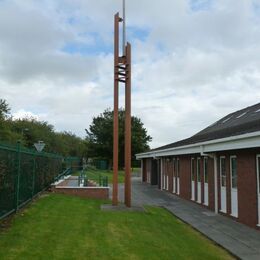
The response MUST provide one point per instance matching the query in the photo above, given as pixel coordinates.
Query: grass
(93, 174)
(64, 227)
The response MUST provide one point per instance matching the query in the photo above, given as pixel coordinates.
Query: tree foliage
(4, 109)
(100, 136)
(29, 131)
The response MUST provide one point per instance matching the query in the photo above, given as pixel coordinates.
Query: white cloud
(192, 68)
(21, 114)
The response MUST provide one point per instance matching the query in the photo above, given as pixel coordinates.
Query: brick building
(218, 168)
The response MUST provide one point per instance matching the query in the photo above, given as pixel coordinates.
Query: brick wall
(185, 177)
(246, 182)
(246, 185)
(247, 189)
(86, 192)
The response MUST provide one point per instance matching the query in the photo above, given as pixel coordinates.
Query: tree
(30, 130)
(4, 109)
(100, 136)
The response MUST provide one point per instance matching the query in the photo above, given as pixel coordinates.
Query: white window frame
(198, 165)
(178, 176)
(258, 188)
(220, 173)
(231, 157)
(191, 168)
(199, 181)
(173, 176)
(192, 171)
(178, 168)
(204, 160)
(231, 182)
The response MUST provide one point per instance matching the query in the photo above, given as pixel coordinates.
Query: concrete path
(240, 240)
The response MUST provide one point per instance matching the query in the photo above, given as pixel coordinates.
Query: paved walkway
(240, 240)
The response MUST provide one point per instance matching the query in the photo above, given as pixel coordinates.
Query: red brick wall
(246, 185)
(91, 193)
(185, 177)
(247, 189)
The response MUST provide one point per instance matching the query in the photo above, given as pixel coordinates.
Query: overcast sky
(194, 61)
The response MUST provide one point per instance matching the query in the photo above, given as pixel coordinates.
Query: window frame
(231, 172)
(193, 175)
(220, 171)
(198, 169)
(258, 173)
(206, 169)
(178, 168)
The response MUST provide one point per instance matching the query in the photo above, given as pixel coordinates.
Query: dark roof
(243, 121)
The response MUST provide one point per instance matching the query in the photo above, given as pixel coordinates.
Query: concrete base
(122, 207)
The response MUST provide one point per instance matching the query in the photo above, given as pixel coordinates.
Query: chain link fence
(23, 174)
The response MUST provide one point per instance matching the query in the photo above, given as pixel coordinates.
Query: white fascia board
(250, 140)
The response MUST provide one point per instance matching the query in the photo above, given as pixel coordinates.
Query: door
(178, 175)
(163, 173)
(159, 174)
(144, 170)
(154, 173)
(233, 184)
(206, 182)
(192, 179)
(223, 184)
(198, 181)
(258, 187)
(174, 178)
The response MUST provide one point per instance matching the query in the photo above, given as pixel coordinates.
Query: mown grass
(64, 227)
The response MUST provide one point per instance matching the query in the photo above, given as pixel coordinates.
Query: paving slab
(240, 240)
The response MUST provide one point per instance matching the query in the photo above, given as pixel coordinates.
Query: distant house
(218, 168)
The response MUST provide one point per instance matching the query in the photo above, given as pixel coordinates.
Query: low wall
(84, 192)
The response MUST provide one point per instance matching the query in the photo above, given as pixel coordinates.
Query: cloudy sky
(194, 61)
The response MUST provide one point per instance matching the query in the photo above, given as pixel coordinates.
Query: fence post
(18, 175)
(34, 169)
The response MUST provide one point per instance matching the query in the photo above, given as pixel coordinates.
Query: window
(178, 168)
(223, 171)
(206, 170)
(198, 170)
(233, 162)
(227, 119)
(173, 167)
(258, 163)
(241, 115)
(192, 169)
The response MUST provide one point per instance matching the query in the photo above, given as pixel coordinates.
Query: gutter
(197, 146)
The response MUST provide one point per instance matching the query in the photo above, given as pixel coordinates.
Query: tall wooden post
(122, 73)
(115, 131)
(128, 127)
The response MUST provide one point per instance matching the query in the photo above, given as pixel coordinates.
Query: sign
(39, 146)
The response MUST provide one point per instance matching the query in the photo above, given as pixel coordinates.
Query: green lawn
(64, 227)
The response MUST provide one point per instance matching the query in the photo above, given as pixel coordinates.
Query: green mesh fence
(23, 174)
(74, 163)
